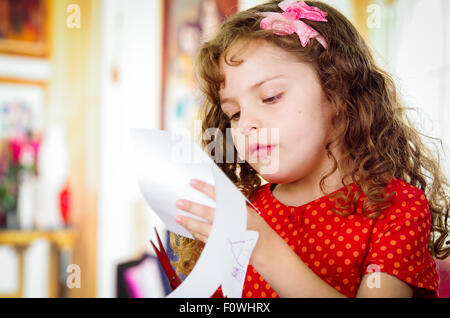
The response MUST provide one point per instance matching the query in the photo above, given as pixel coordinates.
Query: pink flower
(295, 12)
(289, 22)
(36, 145)
(22, 148)
(16, 146)
(280, 24)
(300, 10)
(283, 24)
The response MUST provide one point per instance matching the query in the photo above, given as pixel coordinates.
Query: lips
(257, 149)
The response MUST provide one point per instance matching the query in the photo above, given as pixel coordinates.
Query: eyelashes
(270, 101)
(273, 100)
(235, 117)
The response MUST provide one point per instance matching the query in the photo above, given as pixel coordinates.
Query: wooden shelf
(63, 238)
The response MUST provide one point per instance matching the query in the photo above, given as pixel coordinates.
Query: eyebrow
(259, 84)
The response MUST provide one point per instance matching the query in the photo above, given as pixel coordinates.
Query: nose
(248, 123)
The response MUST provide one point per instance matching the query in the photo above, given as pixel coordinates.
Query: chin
(281, 177)
(276, 178)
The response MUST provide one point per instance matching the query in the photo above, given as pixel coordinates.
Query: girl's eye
(271, 100)
(235, 116)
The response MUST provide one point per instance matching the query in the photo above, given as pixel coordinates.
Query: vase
(12, 220)
(2, 217)
(8, 218)
(8, 209)
(26, 201)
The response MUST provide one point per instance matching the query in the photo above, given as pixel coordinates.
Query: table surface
(62, 237)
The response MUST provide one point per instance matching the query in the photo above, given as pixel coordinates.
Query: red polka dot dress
(342, 249)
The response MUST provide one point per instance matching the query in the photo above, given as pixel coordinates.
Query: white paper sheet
(164, 170)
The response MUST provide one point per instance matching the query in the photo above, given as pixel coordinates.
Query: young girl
(358, 206)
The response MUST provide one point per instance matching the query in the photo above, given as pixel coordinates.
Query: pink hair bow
(288, 22)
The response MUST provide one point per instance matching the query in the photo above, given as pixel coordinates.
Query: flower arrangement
(18, 155)
(19, 148)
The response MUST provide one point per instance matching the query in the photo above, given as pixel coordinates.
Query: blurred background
(76, 75)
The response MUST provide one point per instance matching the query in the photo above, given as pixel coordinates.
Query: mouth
(261, 150)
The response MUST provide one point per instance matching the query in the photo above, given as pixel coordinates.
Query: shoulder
(409, 202)
(404, 189)
(399, 242)
(405, 226)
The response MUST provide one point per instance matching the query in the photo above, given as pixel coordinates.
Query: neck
(307, 189)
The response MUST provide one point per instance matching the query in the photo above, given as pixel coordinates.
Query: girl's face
(271, 89)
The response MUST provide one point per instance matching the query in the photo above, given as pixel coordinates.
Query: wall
(74, 103)
(422, 67)
(130, 70)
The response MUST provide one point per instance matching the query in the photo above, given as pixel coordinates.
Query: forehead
(259, 60)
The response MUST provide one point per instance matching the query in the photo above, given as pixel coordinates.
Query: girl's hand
(201, 230)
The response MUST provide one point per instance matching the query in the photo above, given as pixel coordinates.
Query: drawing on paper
(241, 251)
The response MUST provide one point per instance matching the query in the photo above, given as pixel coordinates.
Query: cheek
(238, 142)
(304, 133)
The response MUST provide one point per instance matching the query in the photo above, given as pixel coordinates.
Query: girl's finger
(204, 187)
(203, 211)
(196, 228)
(199, 237)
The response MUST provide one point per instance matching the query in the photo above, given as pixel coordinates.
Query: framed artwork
(22, 115)
(186, 25)
(24, 27)
(22, 108)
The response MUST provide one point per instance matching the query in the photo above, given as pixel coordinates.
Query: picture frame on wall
(186, 25)
(24, 27)
(22, 107)
(22, 127)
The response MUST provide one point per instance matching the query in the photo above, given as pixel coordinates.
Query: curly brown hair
(372, 126)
